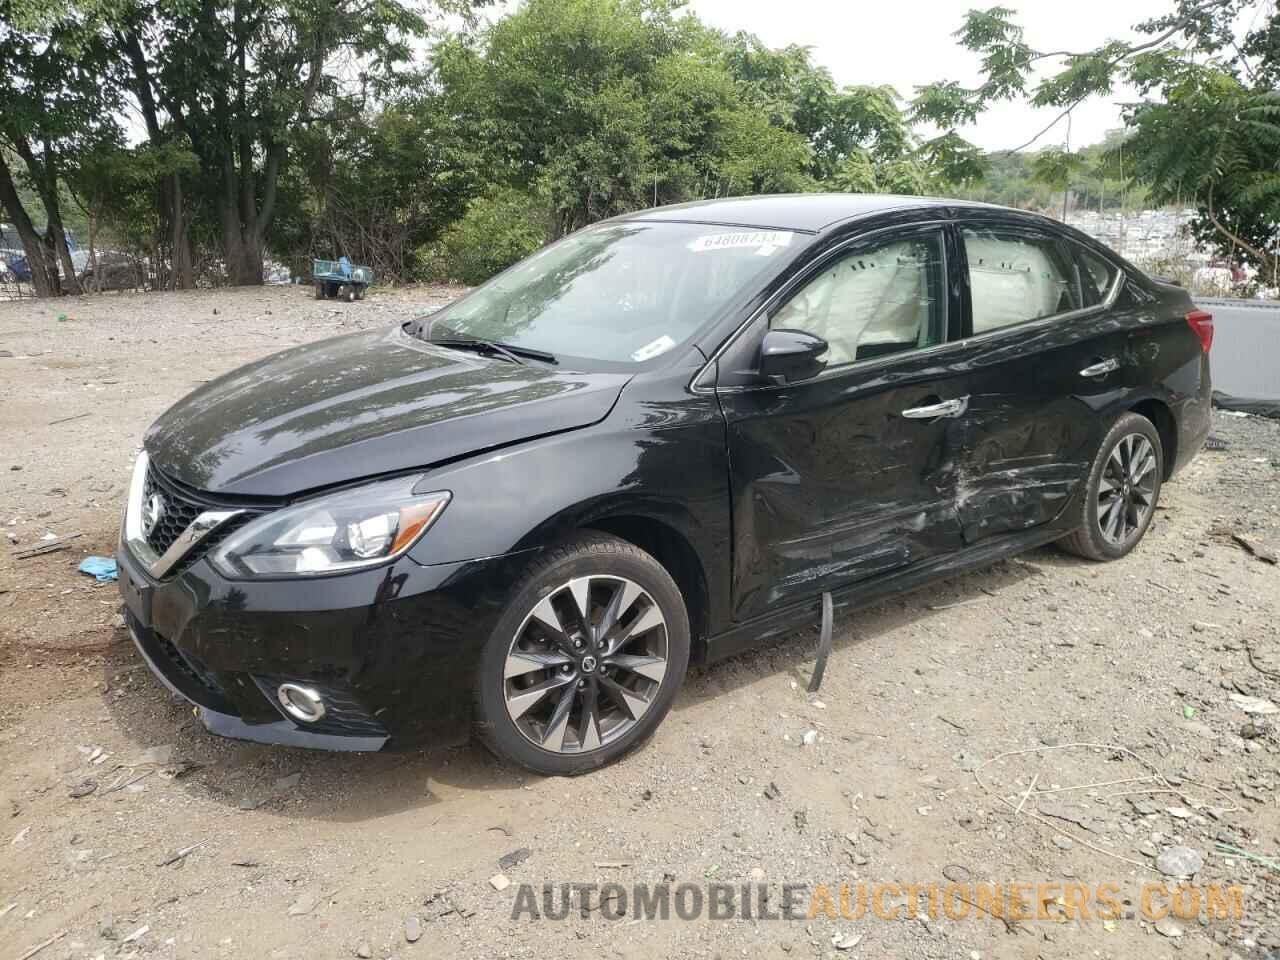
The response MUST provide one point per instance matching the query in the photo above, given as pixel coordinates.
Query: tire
(319, 289)
(1108, 533)
(359, 293)
(568, 709)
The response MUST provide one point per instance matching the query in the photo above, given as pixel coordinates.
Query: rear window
(1015, 277)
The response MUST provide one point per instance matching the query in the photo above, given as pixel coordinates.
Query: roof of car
(794, 211)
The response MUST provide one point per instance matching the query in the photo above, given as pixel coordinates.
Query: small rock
(1253, 729)
(925, 810)
(846, 941)
(771, 792)
(82, 789)
(514, 858)
(1148, 849)
(1144, 807)
(956, 873)
(1179, 862)
(499, 882)
(159, 755)
(364, 951)
(413, 929)
(1179, 813)
(1254, 705)
(801, 819)
(1168, 927)
(304, 904)
(1063, 843)
(810, 738)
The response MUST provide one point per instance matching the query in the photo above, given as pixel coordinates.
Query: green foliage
(1207, 130)
(496, 231)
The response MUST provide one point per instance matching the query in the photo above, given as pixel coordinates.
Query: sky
(906, 43)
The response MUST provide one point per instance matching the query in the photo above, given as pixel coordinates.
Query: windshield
(622, 292)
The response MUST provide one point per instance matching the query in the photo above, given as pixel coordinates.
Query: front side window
(879, 300)
(619, 293)
(1014, 278)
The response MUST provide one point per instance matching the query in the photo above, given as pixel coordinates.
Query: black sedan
(656, 442)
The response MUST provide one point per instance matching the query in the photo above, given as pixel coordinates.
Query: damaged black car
(656, 442)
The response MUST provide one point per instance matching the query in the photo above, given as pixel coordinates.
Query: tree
(1205, 132)
(55, 108)
(233, 79)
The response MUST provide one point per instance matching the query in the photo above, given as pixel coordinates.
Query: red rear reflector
(1201, 324)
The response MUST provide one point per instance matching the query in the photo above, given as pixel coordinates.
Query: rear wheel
(587, 659)
(319, 289)
(1123, 488)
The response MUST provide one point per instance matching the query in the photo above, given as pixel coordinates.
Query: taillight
(1201, 325)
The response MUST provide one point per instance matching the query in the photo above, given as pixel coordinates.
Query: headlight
(345, 531)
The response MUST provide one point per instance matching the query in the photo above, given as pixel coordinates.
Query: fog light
(301, 703)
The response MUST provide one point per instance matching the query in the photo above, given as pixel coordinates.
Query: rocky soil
(1045, 721)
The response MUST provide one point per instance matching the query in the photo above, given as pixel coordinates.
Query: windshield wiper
(505, 350)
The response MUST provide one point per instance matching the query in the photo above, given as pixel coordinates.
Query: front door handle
(1108, 365)
(934, 411)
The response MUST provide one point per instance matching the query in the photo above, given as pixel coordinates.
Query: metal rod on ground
(824, 645)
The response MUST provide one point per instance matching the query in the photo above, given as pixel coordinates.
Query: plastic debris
(103, 569)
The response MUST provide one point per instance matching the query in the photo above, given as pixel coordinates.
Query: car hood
(361, 405)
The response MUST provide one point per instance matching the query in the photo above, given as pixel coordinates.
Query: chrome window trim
(708, 369)
(135, 539)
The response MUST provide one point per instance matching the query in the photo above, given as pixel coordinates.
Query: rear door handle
(1101, 367)
(947, 408)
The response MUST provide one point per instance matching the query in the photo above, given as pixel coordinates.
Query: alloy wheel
(1126, 489)
(585, 664)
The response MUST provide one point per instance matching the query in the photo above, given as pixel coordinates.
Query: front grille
(179, 512)
(181, 507)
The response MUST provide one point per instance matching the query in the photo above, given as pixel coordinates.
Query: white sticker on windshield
(653, 349)
(765, 241)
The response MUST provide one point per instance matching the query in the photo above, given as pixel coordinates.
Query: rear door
(1047, 354)
(851, 473)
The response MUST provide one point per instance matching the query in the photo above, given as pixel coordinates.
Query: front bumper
(392, 650)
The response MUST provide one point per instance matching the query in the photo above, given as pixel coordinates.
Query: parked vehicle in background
(114, 271)
(659, 440)
(340, 279)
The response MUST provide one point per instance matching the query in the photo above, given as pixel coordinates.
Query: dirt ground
(126, 830)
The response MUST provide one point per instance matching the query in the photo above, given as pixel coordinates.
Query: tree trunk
(93, 253)
(44, 177)
(183, 278)
(32, 244)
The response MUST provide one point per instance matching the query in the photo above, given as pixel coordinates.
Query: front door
(852, 473)
(1044, 354)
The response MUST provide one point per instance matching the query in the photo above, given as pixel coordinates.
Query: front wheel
(587, 659)
(1123, 488)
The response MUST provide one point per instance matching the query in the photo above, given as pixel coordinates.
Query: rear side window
(880, 300)
(1099, 275)
(1015, 277)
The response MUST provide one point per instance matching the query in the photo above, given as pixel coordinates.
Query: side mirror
(787, 356)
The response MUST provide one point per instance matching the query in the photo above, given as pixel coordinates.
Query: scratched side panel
(832, 485)
(1033, 423)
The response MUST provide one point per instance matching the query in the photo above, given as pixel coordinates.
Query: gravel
(929, 702)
